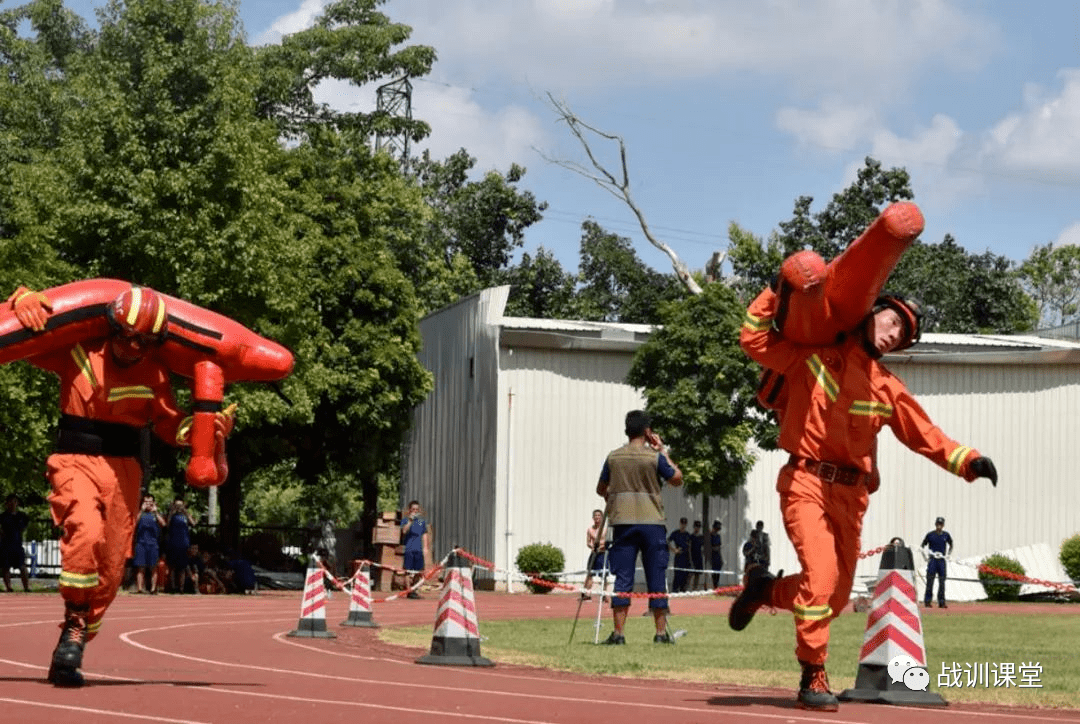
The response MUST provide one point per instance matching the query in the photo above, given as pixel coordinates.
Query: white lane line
(439, 714)
(106, 712)
(126, 637)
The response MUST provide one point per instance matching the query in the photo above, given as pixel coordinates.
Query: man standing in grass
(630, 481)
(940, 544)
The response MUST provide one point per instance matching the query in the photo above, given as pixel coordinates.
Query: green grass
(763, 654)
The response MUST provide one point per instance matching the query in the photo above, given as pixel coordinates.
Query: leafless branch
(605, 179)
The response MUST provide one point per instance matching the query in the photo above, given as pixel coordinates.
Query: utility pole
(395, 99)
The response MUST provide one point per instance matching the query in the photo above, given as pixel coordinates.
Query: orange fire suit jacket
(839, 397)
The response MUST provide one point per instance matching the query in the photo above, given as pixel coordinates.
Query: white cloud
(1071, 235)
(838, 46)
(833, 126)
(1043, 139)
(496, 138)
(300, 19)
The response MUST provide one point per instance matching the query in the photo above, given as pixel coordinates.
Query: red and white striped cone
(893, 628)
(312, 622)
(456, 641)
(360, 600)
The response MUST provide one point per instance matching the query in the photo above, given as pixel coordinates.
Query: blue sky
(730, 110)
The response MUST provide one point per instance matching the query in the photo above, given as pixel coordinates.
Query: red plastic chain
(1066, 587)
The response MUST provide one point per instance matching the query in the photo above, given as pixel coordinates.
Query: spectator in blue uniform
(679, 544)
(717, 564)
(178, 527)
(416, 533)
(147, 534)
(940, 544)
(697, 550)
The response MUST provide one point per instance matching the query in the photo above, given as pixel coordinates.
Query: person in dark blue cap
(940, 544)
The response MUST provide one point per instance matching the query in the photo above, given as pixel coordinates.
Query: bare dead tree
(619, 187)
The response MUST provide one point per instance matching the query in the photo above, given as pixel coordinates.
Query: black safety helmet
(911, 316)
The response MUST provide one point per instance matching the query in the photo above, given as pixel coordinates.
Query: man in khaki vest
(631, 481)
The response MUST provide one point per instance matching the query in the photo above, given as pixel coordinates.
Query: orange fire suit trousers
(96, 500)
(824, 522)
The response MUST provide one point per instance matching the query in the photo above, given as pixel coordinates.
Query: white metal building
(507, 449)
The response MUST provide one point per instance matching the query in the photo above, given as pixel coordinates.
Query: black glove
(984, 468)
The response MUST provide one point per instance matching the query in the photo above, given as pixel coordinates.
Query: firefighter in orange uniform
(111, 389)
(835, 401)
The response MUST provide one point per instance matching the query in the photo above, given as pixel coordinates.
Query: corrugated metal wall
(565, 415)
(450, 458)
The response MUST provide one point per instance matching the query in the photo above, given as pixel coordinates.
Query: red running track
(226, 659)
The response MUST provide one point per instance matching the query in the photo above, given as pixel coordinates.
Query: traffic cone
(456, 641)
(360, 600)
(893, 628)
(312, 622)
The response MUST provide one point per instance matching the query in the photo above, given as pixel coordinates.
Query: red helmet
(911, 316)
(139, 313)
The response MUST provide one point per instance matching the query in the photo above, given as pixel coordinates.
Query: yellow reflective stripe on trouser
(92, 628)
(821, 374)
(78, 580)
(756, 324)
(869, 408)
(812, 613)
(956, 458)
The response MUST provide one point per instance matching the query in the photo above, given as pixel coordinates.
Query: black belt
(83, 436)
(830, 472)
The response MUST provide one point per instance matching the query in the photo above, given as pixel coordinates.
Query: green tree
(700, 389)
(540, 288)
(166, 168)
(350, 41)
(616, 286)
(961, 292)
(476, 225)
(1051, 275)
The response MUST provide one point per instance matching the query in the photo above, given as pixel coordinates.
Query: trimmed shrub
(997, 587)
(540, 560)
(1070, 557)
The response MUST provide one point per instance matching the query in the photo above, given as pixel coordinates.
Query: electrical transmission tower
(395, 99)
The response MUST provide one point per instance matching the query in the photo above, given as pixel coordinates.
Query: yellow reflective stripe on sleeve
(756, 324)
(183, 432)
(137, 392)
(812, 613)
(78, 580)
(870, 408)
(956, 458)
(821, 374)
(82, 361)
